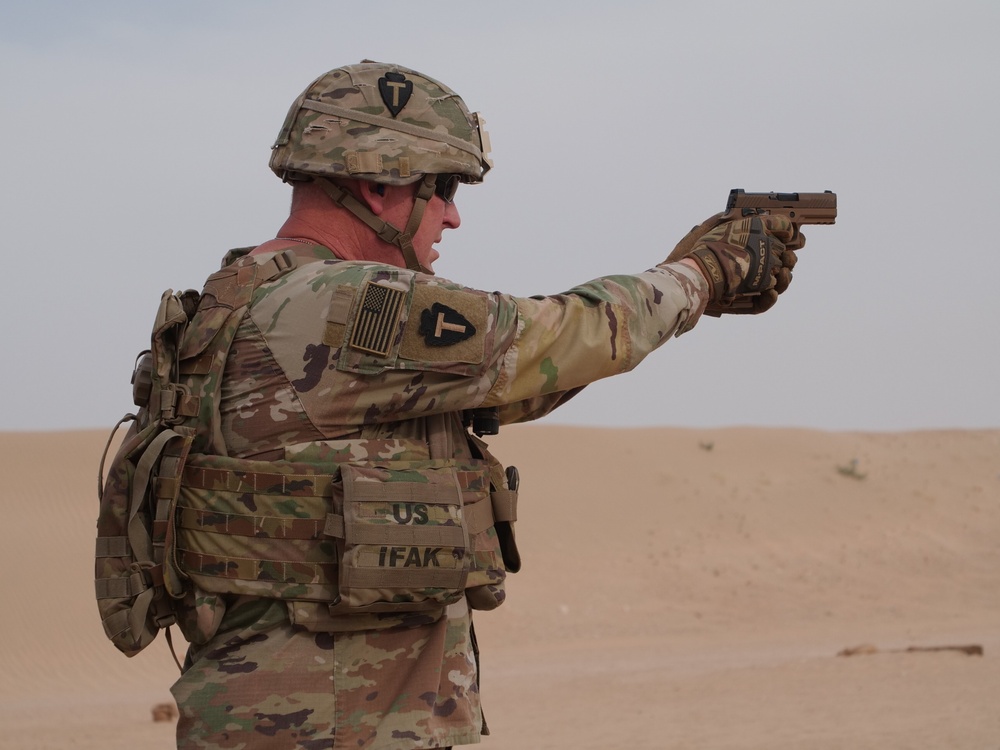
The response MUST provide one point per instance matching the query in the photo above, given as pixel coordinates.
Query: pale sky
(137, 137)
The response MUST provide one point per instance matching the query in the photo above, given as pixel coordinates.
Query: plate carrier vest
(348, 545)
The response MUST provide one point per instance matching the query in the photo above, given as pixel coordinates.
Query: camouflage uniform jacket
(350, 355)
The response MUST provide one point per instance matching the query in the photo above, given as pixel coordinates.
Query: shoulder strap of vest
(221, 308)
(203, 352)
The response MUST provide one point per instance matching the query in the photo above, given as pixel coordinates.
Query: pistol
(800, 208)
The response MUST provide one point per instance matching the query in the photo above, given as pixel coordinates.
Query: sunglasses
(446, 185)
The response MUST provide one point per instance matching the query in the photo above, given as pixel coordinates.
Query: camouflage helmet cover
(380, 122)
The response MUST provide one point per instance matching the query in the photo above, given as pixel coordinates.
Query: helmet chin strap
(402, 239)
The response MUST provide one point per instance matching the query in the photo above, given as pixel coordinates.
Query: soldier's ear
(372, 194)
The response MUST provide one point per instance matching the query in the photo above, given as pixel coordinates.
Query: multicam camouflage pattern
(262, 684)
(229, 510)
(136, 498)
(303, 531)
(445, 546)
(383, 123)
(350, 360)
(136, 578)
(294, 378)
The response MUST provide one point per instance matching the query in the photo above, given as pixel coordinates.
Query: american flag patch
(375, 325)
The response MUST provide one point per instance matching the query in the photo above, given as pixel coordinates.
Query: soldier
(333, 608)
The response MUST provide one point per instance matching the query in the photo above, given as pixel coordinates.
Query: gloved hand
(748, 263)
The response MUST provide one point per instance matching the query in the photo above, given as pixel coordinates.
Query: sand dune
(681, 589)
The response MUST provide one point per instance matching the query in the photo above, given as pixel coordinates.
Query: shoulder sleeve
(595, 330)
(398, 320)
(363, 343)
(404, 344)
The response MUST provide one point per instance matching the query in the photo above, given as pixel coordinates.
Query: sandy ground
(681, 589)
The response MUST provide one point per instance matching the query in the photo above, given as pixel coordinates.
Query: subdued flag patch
(378, 315)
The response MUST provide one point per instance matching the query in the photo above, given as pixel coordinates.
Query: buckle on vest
(177, 403)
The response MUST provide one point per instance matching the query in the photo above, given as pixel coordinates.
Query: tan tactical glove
(747, 262)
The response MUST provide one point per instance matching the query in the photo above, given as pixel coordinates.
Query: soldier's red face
(439, 215)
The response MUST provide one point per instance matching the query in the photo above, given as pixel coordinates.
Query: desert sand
(682, 588)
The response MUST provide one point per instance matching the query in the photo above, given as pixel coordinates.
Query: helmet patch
(395, 91)
(414, 124)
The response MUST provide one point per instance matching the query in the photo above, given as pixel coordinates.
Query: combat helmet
(386, 124)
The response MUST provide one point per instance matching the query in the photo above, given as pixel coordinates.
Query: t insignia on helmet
(395, 90)
(352, 122)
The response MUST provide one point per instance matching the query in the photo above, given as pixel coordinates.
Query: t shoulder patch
(441, 325)
(445, 326)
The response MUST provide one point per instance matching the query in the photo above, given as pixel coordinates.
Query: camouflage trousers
(267, 685)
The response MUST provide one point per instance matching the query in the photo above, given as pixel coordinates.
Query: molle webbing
(338, 534)
(246, 527)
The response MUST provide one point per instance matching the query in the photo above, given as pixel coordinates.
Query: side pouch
(485, 585)
(405, 545)
(504, 501)
(136, 504)
(503, 485)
